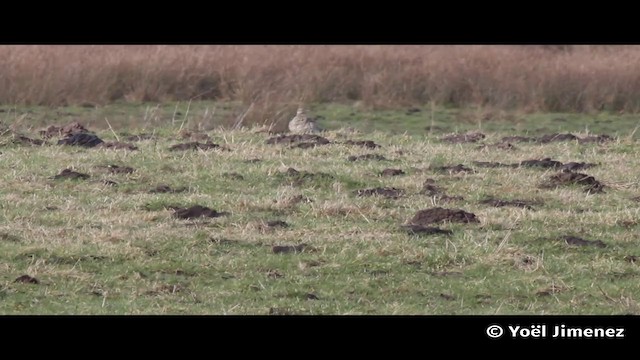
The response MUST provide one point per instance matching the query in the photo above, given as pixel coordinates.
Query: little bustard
(302, 124)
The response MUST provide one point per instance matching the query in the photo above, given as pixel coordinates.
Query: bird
(302, 124)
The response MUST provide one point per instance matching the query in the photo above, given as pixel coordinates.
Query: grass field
(117, 248)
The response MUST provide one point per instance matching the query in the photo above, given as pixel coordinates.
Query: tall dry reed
(544, 78)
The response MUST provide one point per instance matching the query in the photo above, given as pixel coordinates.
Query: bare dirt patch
(430, 189)
(70, 174)
(576, 241)
(81, 139)
(294, 200)
(498, 146)
(166, 288)
(573, 166)
(163, 188)
(116, 145)
(425, 230)
(364, 143)
(542, 163)
(526, 204)
(69, 129)
(589, 183)
(116, 169)
(545, 139)
(277, 224)
(192, 135)
(551, 290)
(453, 169)
(9, 237)
(470, 137)
(493, 164)
(298, 138)
(440, 215)
(275, 311)
(517, 139)
(392, 172)
(26, 279)
(26, 141)
(196, 146)
(196, 211)
(140, 137)
(297, 178)
(598, 139)
(389, 192)
(305, 145)
(288, 249)
(366, 157)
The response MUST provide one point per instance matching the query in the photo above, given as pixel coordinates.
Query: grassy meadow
(320, 226)
(307, 242)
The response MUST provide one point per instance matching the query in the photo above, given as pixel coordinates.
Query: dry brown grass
(274, 78)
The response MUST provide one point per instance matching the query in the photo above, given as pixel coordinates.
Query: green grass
(99, 249)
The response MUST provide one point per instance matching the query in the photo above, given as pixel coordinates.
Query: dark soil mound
(115, 169)
(527, 204)
(429, 188)
(501, 146)
(463, 138)
(568, 178)
(491, 164)
(195, 146)
(276, 224)
(26, 279)
(576, 241)
(389, 192)
(296, 138)
(162, 188)
(545, 139)
(186, 134)
(295, 177)
(543, 163)
(438, 215)
(69, 129)
(23, 140)
(286, 249)
(392, 172)
(573, 166)
(599, 139)
(366, 157)
(140, 137)
(117, 145)
(510, 139)
(81, 139)
(425, 230)
(306, 145)
(453, 169)
(196, 211)
(366, 143)
(70, 174)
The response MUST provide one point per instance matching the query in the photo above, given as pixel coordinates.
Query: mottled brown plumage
(302, 124)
